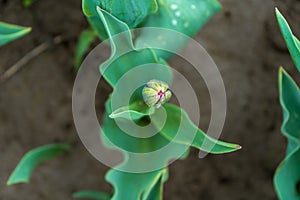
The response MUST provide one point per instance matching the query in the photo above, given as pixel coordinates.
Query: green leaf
(22, 172)
(124, 141)
(290, 102)
(291, 41)
(92, 195)
(287, 176)
(179, 124)
(9, 32)
(155, 193)
(131, 12)
(89, 8)
(125, 57)
(186, 17)
(136, 185)
(86, 38)
(134, 111)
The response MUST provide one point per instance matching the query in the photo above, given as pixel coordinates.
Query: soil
(35, 105)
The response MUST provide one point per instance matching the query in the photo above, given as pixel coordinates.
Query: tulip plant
(287, 176)
(108, 19)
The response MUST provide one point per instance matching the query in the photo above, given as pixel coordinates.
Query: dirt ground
(35, 105)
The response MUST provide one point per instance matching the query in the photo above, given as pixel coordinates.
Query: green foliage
(156, 192)
(120, 139)
(291, 41)
(143, 186)
(110, 18)
(92, 195)
(131, 12)
(124, 58)
(114, 70)
(178, 123)
(287, 176)
(9, 32)
(22, 172)
(186, 17)
(86, 38)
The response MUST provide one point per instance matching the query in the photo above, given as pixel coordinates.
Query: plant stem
(28, 57)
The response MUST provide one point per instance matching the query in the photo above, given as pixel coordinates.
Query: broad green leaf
(134, 140)
(291, 41)
(135, 185)
(186, 17)
(22, 172)
(125, 57)
(126, 142)
(178, 123)
(290, 102)
(134, 111)
(287, 176)
(92, 195)
(86, 38)
(89, 8)
(9, 32)
(131, 12)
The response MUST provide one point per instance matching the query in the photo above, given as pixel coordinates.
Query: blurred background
(36, 106)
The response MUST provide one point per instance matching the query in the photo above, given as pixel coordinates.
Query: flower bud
(156, 93)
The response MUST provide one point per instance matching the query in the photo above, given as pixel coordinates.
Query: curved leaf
(134, 111)
(291, 41)
(125, 57)
(22, 172)
(131, 12)
(179, 124)
(186, 17)
(92, 195)
(86, 38)
(89, 8)
(9, 32)
(287, 176)
(126, 142)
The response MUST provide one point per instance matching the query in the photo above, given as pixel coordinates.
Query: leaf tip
(278, 13)
(28, 29)
(11, 182)
(99, 9)
(281, 71)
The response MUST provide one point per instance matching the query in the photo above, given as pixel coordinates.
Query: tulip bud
(156, 93)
